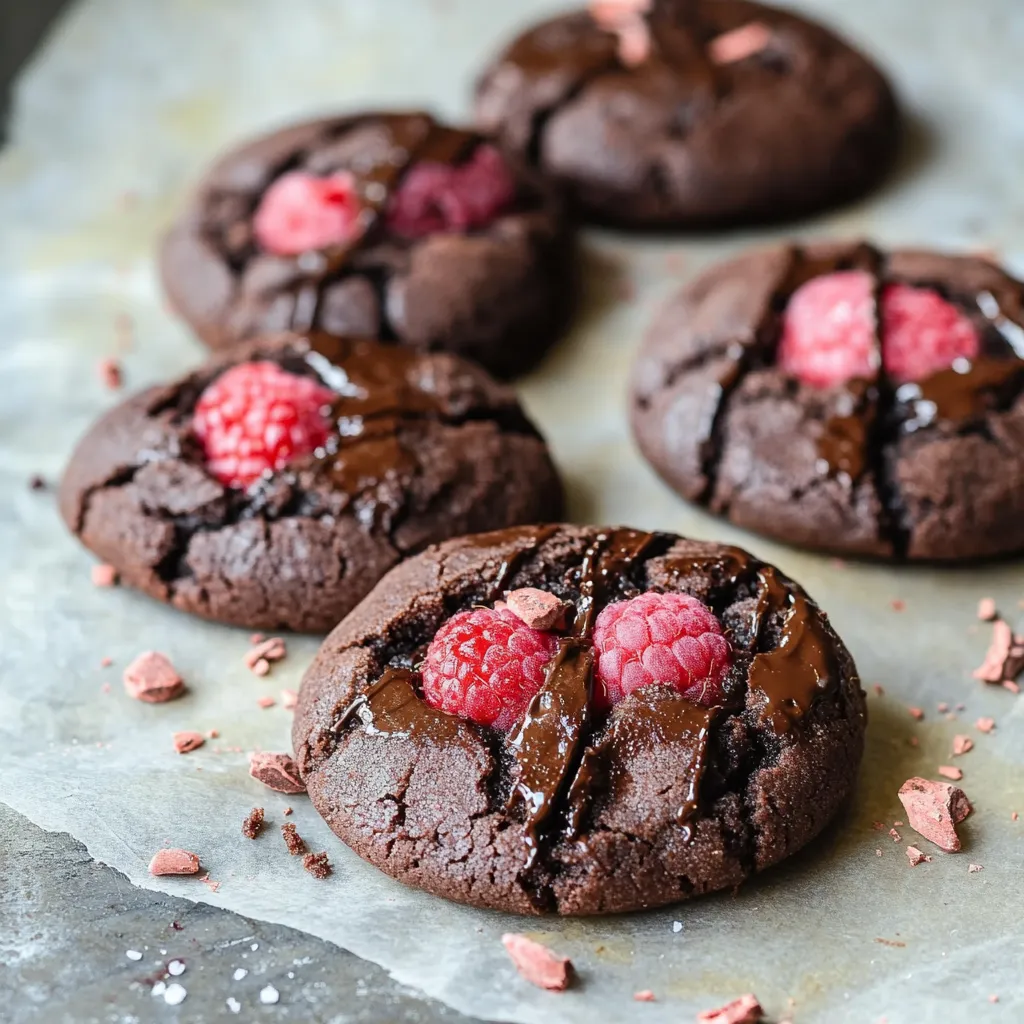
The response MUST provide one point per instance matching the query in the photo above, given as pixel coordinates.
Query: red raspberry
(828, 330)
(255, 418)
(923, 333)
(301, 212)
(672, 639)
(486, 665)
(438, 197)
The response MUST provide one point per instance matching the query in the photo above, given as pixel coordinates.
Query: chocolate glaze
(412, 137)
(787, 679)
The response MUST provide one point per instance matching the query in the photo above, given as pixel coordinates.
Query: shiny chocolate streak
(413, 137)
(552, 764)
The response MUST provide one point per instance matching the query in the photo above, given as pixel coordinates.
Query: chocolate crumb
(934, 809)
(152, 678)
(287, 810)
(110, 373)
(276, 771)
(103, 575)
(253, 824)
(915, 856)
(186, 742)
(295, 843)
(896, 837)
(536, 963)
(317, 864)
(37, 483)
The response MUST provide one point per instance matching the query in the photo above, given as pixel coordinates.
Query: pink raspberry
(301, 212)
(672, 639)
(438, 197)
(486, 665)
(828, 330)
(923, 333)
(256, 418)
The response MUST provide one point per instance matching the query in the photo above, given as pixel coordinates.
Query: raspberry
(828, 330)
(486, 665)
(438, 197)
(671, 639)
(255, 418)
(923, 333)
(300, 212)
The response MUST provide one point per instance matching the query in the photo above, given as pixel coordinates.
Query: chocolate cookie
(275, 485)
(389, 226)
(680, 113)
(644, 718)
(844, 398)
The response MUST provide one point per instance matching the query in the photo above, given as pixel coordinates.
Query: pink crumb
(536, 963)
(898, 604)
(894, 835)
(276, 771)
(947, 771)
(943, 707)
(266, 702)
(917, 713)
(986, 609)
(962, 744)
(934, 809)
(879, 691)
(103, 575)
(916, 856)
(174, 862)
(152, 678)
(209, 882)
(973, 869)
(740, 43)
(106, 662)
(985, 724)
(289, 698)
(212, 734)
(745, 1010)
(1014, 815)
(287, 811)
(186, 742)
(260, 656)
(1012, 685)
(537, 608)
(110, 373)
(992, 668)
(644, 996)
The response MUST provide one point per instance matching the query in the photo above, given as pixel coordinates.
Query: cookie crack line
(555, 761)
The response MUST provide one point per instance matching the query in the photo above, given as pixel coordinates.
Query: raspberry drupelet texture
(486, 665)
(301, 212)
(671, 639)
(829, 328)
(256, 417)
(438, 197)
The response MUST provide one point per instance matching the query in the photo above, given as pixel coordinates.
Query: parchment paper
(113, 122)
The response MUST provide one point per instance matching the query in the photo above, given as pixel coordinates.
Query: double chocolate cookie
(675, 113)
(844, 398)
(275, 485)
(579, 720)
(390, 226)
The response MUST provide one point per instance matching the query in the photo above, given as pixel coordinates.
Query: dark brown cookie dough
(499, 294)
(427, 447)
(929, 470)
(587, 812)
(687, 137)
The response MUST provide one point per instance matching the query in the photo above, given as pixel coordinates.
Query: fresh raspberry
(438, 197)
(923, 333)
(671, 639)
(828, 330)
(256, 417)
(301, 212)
(486, 665)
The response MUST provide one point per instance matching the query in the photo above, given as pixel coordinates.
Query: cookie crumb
(537, 608)
(103, 575)
(186, 742)
(289, 698)
(266, 702)
(947, 771)
(896, 837)
(295, 843)
(916, 713)
(934, 809)
(644, 996)
(973, 869)
(740, 43)
(253, 824)
(986, 609)
(152, 678)
(287, 811)
(174, 862)
(37, 482)
(962, 744)
(110, 373)
(317, 864)
(985, 724)
(536, 963)
(745, 1010)
(276, 771)
(916, 856)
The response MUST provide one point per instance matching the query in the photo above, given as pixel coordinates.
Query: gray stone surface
(67, 922)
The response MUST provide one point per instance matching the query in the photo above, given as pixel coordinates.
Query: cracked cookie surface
(579, 810)
(930, 469)
(700, 128)
(497, 289)
(422, 447)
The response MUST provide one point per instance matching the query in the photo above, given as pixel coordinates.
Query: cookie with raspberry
(272, 487)
(660, 114)
(844, 398)
(689, 719)
(390, 226)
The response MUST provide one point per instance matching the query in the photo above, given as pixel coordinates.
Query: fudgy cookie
(844, 398)
(390, 226)
(675, 113)
(579, 720)
(275, 485)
